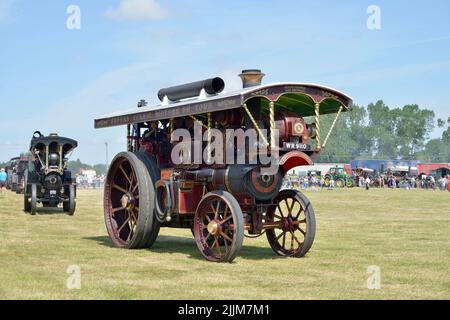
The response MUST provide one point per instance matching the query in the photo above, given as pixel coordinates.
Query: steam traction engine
(12, 175)
(152, 186)
(21, 167)
(47, 179)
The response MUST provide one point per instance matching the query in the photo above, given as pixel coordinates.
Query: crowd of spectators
(366, 181)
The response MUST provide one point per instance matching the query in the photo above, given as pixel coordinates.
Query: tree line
(380, 132)
(77, 165)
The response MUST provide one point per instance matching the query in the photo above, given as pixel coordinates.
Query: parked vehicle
(340, 177)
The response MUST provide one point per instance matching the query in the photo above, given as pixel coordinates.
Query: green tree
(438, 150)
(77, 165)
(381, 130)
(378, 132)
(101, 169)
(413, 126)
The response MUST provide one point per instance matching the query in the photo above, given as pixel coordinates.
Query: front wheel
(219, 227)
(26, 201)
(70, 204)
(296, 225)
(340, 183)
(33, 199)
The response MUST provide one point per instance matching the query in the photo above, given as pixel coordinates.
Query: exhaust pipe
(193, 89)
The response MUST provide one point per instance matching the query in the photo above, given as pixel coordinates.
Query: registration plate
(53, 192)
(295, 146)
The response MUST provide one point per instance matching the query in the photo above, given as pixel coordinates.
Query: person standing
(394, 183)
(432, 183)
(367, 183)
(314, 181)
(331, 185)
(3, 179)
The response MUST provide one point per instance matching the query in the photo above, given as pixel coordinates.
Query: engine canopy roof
(299, 98)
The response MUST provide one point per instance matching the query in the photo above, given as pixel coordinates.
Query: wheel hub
(127, 201)
(213, 227)
(287, 224)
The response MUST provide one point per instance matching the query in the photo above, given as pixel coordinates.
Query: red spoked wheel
(219, 227)
(129, 203)
(294, 215)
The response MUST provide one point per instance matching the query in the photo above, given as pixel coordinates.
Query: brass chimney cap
(251, 77)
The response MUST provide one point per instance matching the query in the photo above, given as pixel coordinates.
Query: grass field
(405, 233)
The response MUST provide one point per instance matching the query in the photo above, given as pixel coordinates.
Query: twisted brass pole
(317, 121)
(332, 126)
(272, 125)
(255, 124)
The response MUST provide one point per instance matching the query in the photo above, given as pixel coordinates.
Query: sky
(57, 78)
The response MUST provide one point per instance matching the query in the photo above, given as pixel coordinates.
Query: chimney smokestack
(251, 77)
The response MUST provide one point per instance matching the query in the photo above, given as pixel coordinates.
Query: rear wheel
(296, 230)
(349, 183)
(219, 227)
(129, 202)
(152, 226)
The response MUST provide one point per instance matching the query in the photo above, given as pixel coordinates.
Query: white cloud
(137, 10)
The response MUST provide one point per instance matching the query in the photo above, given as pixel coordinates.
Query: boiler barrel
(238, 179)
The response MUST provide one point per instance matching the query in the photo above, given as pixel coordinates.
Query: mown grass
(405, 233)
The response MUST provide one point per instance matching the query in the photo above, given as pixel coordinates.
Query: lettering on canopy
(171, 112)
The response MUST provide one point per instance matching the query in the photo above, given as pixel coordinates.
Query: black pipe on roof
(193, 89)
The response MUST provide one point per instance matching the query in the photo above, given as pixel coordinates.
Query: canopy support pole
(208, 159)
(46, 159)
(317, 121)
(61, 158)
(128, 138)
(255, 124)
(171, 126)
(272, 125)
(332, 126)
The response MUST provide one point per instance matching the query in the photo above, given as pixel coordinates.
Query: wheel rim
(290, 238)
(216, 229)
(122, 202)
